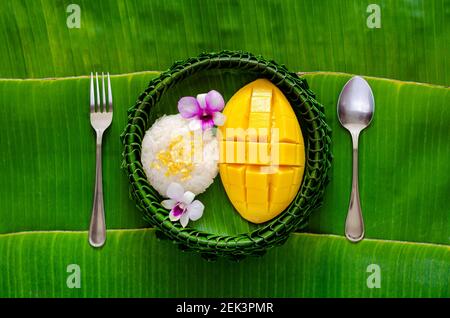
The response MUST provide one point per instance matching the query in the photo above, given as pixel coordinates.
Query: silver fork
(101, 119)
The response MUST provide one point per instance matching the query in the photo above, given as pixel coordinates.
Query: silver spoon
(355, 111)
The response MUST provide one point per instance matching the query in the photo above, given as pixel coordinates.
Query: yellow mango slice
(236, 174)
(237, 193)
(255, 178)
(280, 195)
(284, 176)
(259, 196)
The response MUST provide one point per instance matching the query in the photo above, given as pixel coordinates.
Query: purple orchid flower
(204, 111)
(182, 205)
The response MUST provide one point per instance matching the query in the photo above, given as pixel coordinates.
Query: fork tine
(103, 93)
(99, 109)
(92, 100)
(110, 100)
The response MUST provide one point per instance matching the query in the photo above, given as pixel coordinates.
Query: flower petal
(214, 101)
(188, 107)
(175, 191)
(219, 119)
(201, 99)
(207, 124)
(174, 217)
(195, 210)
(188, 197)
(184, 220)
(168, 204)
(195, 124)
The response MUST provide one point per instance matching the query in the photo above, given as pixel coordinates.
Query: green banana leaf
(134, 263)
(307, 35)
(48, 175)
(48, 166)
(47, 161)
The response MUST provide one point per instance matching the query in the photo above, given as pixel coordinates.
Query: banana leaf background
(47, 161)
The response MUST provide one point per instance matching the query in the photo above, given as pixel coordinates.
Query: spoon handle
(354, 224)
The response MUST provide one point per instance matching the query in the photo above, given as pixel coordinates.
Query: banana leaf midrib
(156, 72)
(150, 229)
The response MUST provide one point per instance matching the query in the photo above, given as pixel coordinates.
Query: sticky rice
(173, 153)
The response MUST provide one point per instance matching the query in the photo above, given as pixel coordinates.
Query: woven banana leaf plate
(238, 238)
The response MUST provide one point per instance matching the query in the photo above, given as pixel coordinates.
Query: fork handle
(97, 228)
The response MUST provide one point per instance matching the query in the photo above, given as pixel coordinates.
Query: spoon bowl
(356, 104)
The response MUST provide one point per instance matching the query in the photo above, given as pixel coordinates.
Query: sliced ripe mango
(262, 153)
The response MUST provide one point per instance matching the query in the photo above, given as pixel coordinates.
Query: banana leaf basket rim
(316, 133)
